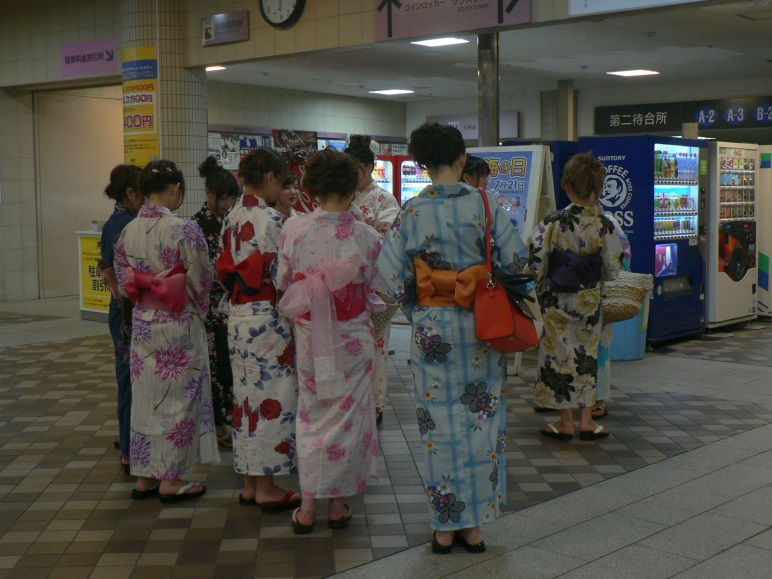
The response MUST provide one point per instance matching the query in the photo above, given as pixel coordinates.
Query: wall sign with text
(423, 18)
(740, 113)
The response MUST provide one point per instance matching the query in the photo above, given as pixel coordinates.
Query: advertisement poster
(509, 181)
(230, 151)
(141, 143)
(94, 294)
(297, 147)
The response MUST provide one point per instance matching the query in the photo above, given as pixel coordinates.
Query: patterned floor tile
(65, 510)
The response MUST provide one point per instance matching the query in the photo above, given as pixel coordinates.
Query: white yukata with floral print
(337, 444)
(261, 350)
(379, 208)
(172, 421)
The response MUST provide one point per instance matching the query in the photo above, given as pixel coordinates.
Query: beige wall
(229, 104)
(32, 34)
(18, 213)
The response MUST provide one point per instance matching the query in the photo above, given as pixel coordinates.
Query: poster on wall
(141, 143)
(230, 151)
(521, 182)
(297, 147)
(94, 293)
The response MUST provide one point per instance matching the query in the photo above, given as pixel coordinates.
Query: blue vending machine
(562, 151)
(656, 187)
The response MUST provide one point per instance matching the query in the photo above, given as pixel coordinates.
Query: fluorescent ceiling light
(391, 91)
(213, 68)
(633, 72)
(441, 42)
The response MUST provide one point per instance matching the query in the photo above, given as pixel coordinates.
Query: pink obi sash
(161, 291)
(317, 295)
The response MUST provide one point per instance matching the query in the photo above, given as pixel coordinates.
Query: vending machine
(400, 176)
(656, 187)
(764, 229)
(732, 250)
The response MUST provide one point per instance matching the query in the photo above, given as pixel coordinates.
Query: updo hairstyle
(330, 172)
(433, 145)
(258, 163)
(121, 178)
(584, 174)
(476, 167)
(359, 149)
(158, 175)
(218, 179)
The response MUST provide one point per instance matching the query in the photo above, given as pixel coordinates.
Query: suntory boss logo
(617, 190)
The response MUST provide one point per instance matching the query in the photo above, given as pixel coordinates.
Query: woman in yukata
(476, 172)
(378, 208)
(327, 267)
(288, 196)
(221, 190)
(431, 261)
(572, 252)
(261, 348)
(162, 265)
(124, 191)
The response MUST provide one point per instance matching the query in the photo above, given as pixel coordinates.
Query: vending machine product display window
(733, 252)
(656, 189)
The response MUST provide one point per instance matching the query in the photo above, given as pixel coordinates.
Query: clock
(281, 13)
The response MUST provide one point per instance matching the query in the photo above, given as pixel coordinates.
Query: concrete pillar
(182, 91)
(488, 89)
(566, 111)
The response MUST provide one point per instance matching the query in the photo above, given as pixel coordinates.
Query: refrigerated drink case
(732, 248)
(383, 174)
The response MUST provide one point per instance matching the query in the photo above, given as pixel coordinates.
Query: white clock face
(279, 11)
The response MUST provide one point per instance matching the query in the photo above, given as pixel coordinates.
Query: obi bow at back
(570, 272)
(447, 287)
(244, 280)
(315, 293)
(162, 291)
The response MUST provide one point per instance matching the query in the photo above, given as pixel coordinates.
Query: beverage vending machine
(764, 229)
(400, 176)
(732, 249)
(656, 187)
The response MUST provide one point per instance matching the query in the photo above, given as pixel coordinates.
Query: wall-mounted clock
(281, 13)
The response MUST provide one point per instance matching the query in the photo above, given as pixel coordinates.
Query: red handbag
(498, 320)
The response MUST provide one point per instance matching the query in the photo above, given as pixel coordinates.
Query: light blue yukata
(459, 382)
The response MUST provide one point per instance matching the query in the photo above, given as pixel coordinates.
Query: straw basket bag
(624, 296)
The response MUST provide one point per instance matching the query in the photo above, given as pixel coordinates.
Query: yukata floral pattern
(337, 442)
(378, 208)
(217, 325)
(172, 423)
(459, 381)
(262, 351)
(568, 348)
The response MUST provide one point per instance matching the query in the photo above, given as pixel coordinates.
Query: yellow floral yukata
(571, 252)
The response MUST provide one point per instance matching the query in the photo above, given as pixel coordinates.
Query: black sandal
(438, 548)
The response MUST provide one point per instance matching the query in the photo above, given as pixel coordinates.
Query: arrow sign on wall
(388, 4)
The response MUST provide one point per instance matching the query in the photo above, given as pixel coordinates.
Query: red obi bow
(244, 281)
(162, 291)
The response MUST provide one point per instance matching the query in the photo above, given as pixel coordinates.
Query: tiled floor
(65, 509)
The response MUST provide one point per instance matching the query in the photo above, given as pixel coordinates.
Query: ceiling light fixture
(441, 42)
(633, 72)
(213, 68)
(391, 91)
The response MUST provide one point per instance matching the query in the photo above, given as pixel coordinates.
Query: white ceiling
(705, 41)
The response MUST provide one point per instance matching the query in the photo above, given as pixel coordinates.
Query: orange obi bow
(447, 287)
(244, 281)
(161, 291)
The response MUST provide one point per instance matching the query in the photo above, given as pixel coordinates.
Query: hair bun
(209, 167)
